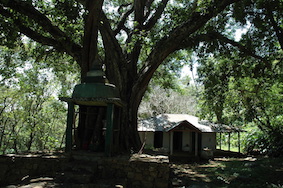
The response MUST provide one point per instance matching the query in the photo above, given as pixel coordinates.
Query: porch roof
(181, 122)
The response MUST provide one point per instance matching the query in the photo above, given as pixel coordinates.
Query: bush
(269, 143)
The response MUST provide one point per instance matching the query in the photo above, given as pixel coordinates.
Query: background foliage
(31, 116)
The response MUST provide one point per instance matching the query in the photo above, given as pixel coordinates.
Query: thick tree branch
(83, 2)
(148, 8)
(90, 52)
(242, 48)
(211, 36)
(114, 58)
(121, 24)
(170, 44)
(139, 7)
(123, 6)
(134, 57)
(33, 14)
(35, 35)
(152, 21)
(277, 28)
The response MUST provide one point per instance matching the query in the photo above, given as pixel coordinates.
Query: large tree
(130, 38)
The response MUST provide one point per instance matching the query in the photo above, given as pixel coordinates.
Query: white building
(180, 132)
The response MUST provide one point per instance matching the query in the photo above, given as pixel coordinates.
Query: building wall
(166, 140)
(148, 138)
(209, 140)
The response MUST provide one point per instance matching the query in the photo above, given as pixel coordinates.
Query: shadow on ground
(229, 172)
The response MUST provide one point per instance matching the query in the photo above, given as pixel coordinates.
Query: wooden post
(196, 144)
(171, 142)
(109, 130)
(220, 140)
(70, 121)
(239, 142)
(229, 139)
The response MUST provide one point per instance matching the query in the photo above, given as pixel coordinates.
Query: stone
(130, 175)
(151, 169)
(139, 171)
(153, 174)
(148, 184)
(160, 183)
(139, 176)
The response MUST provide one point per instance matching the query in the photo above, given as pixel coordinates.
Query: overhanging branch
(29, 11)
(152, 21)
(90, 50)
(83, 2)
(139, 6)
(121, 24)
(242, 48)
(29, 32)
(176, 37)
(212, 36)
(276, 27)
(114, 58)
(171, 42)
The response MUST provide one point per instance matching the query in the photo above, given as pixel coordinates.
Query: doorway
(177, 141)
(158, 139)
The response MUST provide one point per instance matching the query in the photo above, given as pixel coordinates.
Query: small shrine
(93, 115)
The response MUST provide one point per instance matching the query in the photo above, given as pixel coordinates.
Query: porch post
(220, 140)
(171, 142)
(196, 144)
(70, 121)
(229, 139)
(239, 142)
(109, 130)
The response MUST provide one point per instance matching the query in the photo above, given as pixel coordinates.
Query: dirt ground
(230, 172)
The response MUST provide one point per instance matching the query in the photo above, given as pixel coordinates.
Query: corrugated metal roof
(168, 122)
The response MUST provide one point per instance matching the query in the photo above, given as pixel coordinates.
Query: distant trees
(160, 100)
(31, 117)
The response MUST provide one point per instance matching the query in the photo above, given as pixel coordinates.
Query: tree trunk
(89, 52)
(30, 141)
(130, 140)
